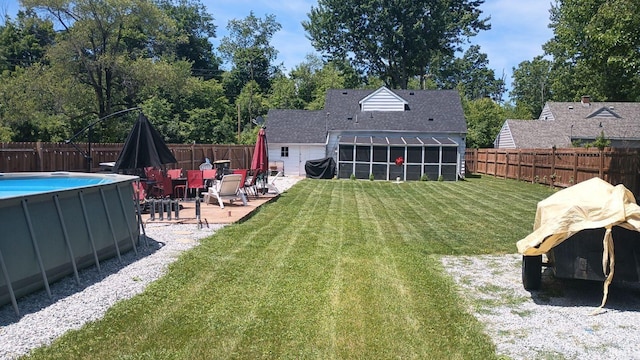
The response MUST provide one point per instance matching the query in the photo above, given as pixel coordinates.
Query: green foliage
(371, 177)
(471, 74)
(352, 176)
(600, 142)
(531, 86)
(424, 177)
(193, 21)
(484, 121)
(440, 178)
(248, 48)
(394, 42)
(24, 42)
(594, 50)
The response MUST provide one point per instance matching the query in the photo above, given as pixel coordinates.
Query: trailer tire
(532, 272)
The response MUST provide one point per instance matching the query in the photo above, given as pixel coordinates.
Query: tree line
(64, 64)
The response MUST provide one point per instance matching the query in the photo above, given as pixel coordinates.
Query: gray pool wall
(47, 236)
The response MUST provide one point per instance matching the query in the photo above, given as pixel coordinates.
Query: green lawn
(334, 269)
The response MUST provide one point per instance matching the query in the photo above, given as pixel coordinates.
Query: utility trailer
(580, 257)
(589, 231)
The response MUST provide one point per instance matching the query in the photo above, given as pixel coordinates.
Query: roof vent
(430, 119)
(610, 107)
(585, 100)
(349, 118)
(570, 107)
(344, 93)
(412, 93)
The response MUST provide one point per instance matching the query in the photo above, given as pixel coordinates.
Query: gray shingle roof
(534, 134)
(433, 111)
(562, 121)
(618, 120)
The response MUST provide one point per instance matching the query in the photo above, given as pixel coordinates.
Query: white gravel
(555, 322)
(43, 319)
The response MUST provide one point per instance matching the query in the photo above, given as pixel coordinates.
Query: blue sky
(519, 28)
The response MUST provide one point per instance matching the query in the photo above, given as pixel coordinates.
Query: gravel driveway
(552, 323)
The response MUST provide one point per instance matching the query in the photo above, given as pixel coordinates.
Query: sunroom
(404, 157)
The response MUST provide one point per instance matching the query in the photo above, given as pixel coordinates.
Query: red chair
(174, 173)
(195, 181)
(209, 176)
(242, 172)
(167, 187)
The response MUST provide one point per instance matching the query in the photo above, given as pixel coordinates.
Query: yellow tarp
(590, 204)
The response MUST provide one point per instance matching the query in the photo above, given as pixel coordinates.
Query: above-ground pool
(54, 224)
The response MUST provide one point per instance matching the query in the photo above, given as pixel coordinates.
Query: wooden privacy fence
(39, 156)
(558, 167)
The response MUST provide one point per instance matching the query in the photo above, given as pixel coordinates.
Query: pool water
(12, 187)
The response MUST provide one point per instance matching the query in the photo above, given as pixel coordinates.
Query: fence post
(553, 162)
(506, 170)
(575, 167)
(519, 164)
(533, 168)
(601, 165)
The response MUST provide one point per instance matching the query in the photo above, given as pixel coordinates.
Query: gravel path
(552, 323)
(73, 305)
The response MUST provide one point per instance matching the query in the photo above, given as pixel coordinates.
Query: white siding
(546, 114)
(505, 139)
(383, 100)
(298, 156)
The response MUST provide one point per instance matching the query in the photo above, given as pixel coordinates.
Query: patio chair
(195, 181)
(209, 176)
(251, 184)
(227, 189)
(174, 173)
(243, 173)
(139, 195)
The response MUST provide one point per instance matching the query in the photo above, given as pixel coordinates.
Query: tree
(283, 94)
(484, 121)
(392, 40)
(595, 50)
(192, 20)
(25, 41)
(531, 85)
(470, 73)
(248, 48)
(100, 38)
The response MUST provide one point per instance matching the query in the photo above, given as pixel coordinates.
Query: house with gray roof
(372, 131)
(563, 124)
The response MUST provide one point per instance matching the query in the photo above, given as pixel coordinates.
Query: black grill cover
(321, 168)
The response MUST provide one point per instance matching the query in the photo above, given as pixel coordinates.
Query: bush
(371, 177)
(352, 176)
(424, 177)
(440, 178)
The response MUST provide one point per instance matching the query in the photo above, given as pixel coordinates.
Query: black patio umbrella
(144, 147)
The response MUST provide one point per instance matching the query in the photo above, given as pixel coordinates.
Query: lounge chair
(227, 189)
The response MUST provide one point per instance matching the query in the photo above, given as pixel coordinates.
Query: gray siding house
(561, 124)
(365, 131)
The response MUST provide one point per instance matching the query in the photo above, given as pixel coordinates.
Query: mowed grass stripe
(331, 270)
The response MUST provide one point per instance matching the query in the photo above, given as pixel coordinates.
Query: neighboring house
(563, 124)
(365, 131)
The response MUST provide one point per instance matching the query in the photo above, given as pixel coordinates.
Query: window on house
(284, 151)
